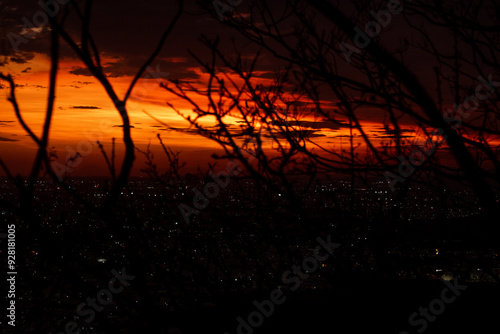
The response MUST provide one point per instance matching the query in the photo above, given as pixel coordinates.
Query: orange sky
(84, 113)
(75, 127)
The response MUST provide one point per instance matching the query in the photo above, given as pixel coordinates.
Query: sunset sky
(84, 112)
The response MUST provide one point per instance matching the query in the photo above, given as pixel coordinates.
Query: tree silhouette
(376, 74)
(329, 73)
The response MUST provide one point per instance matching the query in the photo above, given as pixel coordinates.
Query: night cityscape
(227, 250)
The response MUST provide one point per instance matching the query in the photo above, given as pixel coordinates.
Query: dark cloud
(121, 126)
(312, 124)
(382, 132)
(128, 36)
(158, 71)
(81, 71)
(299, 133)
(18, 60)
(265, 75)
(320, 124)
(391, 136)
(85, 107)
(112, 70)
(7, 139)
(26, 70)
(237, 133)
(344, 136)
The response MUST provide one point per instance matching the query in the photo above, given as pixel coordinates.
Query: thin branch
(12, 99)
(156, 51)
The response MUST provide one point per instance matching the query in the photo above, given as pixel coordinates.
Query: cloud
(236, 132)
(7, 139)
(26, 70)
(392, 133)
(85, 107)
(81, 71)
(300, 133)
(392, 136)
(18, 60)
(320, 124)
(121, 126)
(161, 69)
(354, 135)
